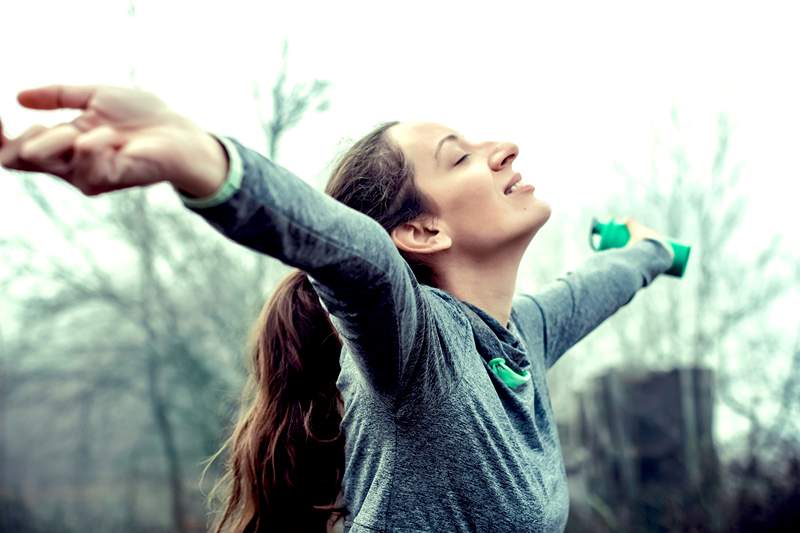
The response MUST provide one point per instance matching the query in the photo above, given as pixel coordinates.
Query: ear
(421, 237)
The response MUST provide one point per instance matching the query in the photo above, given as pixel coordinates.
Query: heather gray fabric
(434, 440)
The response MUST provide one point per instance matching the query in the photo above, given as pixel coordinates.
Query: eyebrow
(451, 137)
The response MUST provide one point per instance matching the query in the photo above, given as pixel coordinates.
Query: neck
(488, 283)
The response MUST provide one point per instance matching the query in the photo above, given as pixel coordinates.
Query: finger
(3, 138)
(98, 139)
(105, 167)
(11, 157)
(92, 152)
(58, 96)
(9, 153)
(50, 144)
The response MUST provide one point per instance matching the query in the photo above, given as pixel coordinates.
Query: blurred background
(123, 318)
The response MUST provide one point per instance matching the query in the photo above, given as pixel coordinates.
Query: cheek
(473, 197)
(476, 208)
(468, 200)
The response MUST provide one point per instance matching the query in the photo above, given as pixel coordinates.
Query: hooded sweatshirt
(447, 416)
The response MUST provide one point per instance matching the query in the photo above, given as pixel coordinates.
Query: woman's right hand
(123, 138)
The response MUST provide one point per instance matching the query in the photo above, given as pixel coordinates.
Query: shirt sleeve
(233, 180)
(359, 275)
(573, 305)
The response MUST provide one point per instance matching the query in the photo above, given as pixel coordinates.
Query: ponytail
(286, 455)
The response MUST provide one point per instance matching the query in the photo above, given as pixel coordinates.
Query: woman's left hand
(640, 232)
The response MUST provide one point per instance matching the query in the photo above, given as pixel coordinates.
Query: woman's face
(467, 181)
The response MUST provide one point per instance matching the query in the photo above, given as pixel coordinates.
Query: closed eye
(460, 160)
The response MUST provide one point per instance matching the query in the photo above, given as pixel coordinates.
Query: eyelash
(460, 160)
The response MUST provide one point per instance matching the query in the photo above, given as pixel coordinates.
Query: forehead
(419, 139)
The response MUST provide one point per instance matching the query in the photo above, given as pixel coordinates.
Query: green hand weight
(613, 234)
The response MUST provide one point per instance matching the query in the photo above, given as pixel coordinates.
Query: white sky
(579, 86)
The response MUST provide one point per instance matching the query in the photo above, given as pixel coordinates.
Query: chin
(543, 213)
(538, 219)
(538, 215)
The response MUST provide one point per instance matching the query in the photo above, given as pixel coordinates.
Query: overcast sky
(579, 87)
(582, 88)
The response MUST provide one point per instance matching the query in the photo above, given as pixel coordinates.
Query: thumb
(58, 96)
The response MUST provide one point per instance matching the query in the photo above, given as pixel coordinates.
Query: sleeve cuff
(232, 182)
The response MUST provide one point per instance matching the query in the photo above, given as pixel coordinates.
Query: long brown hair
(286, 454)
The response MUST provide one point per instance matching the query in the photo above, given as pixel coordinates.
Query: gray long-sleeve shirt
(435, 440)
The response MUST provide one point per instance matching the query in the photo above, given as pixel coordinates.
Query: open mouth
(516, 185)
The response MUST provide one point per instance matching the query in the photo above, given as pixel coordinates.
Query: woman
(401, 326)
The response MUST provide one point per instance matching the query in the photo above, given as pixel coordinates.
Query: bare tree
(701, 322)
(289, 106)
(157, 336)
(716, 317)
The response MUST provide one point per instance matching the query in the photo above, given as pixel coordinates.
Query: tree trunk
(83, 459)
(169, 447)
(159, 407)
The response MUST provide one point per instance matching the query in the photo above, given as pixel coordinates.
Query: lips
(514, 179)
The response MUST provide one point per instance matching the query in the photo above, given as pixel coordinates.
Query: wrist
(207, 167)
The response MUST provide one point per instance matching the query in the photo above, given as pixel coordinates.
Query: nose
(503, 154)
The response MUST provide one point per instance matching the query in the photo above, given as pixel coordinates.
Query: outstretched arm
(351, 261)
(128, 138)
(574, 305)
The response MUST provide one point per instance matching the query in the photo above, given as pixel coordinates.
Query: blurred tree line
(639, 436)
(125, 373)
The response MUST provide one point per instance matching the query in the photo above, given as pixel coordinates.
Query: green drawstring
(506, 374)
